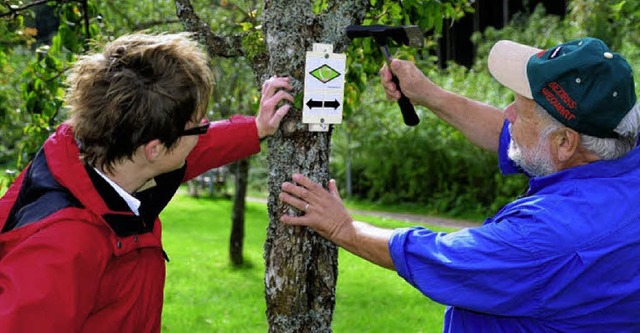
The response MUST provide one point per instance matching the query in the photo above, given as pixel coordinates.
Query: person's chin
(514, 152)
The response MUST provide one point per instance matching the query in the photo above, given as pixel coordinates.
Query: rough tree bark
(300, 267)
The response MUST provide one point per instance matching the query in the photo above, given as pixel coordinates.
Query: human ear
(566, 142)
(152, 150)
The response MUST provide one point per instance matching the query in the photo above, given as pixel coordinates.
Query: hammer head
(409, 35)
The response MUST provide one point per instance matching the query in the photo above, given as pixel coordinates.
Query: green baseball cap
(581, 83)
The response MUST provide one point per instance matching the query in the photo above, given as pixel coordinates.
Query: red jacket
(74, 258)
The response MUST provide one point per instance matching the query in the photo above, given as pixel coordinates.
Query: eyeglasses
(198, 130)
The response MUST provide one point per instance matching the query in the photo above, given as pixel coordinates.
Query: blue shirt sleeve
(506, 165)
(487, 269)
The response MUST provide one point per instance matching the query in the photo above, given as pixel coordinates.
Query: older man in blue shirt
(562, 258)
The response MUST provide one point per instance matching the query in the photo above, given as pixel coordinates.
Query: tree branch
(14, 10)
(228, 47)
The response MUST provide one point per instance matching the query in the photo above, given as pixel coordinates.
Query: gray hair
(604, 148)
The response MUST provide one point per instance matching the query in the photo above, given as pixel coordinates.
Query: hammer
(409, 35)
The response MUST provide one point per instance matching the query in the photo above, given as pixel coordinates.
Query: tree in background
(234, 94)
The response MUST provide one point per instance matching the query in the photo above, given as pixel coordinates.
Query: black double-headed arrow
(323, 104)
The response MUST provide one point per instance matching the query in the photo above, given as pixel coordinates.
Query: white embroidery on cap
(555, 52)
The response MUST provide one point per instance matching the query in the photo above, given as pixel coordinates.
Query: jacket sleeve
(225, 142)
(489, 269)
(49, 280)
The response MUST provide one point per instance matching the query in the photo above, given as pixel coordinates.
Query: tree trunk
(301, 267)
(236, 240)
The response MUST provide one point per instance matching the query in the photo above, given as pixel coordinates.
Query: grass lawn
(205, 294)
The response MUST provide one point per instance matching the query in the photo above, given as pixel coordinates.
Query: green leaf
(297, 101)
(31, 101)
(52, 63)
(56, 43)
(319, 6)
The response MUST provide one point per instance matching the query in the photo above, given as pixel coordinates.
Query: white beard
(536, 161)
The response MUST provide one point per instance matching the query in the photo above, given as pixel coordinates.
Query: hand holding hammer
(404, 35)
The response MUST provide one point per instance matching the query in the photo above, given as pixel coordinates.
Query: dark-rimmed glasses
(198, 130)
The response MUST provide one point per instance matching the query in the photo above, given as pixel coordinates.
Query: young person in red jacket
(80, 241)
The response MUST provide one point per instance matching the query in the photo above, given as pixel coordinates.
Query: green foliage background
(430, 165)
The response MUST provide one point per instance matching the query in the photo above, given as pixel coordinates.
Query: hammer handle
(408, 111)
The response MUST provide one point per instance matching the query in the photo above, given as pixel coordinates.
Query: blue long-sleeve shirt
(563, 258)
